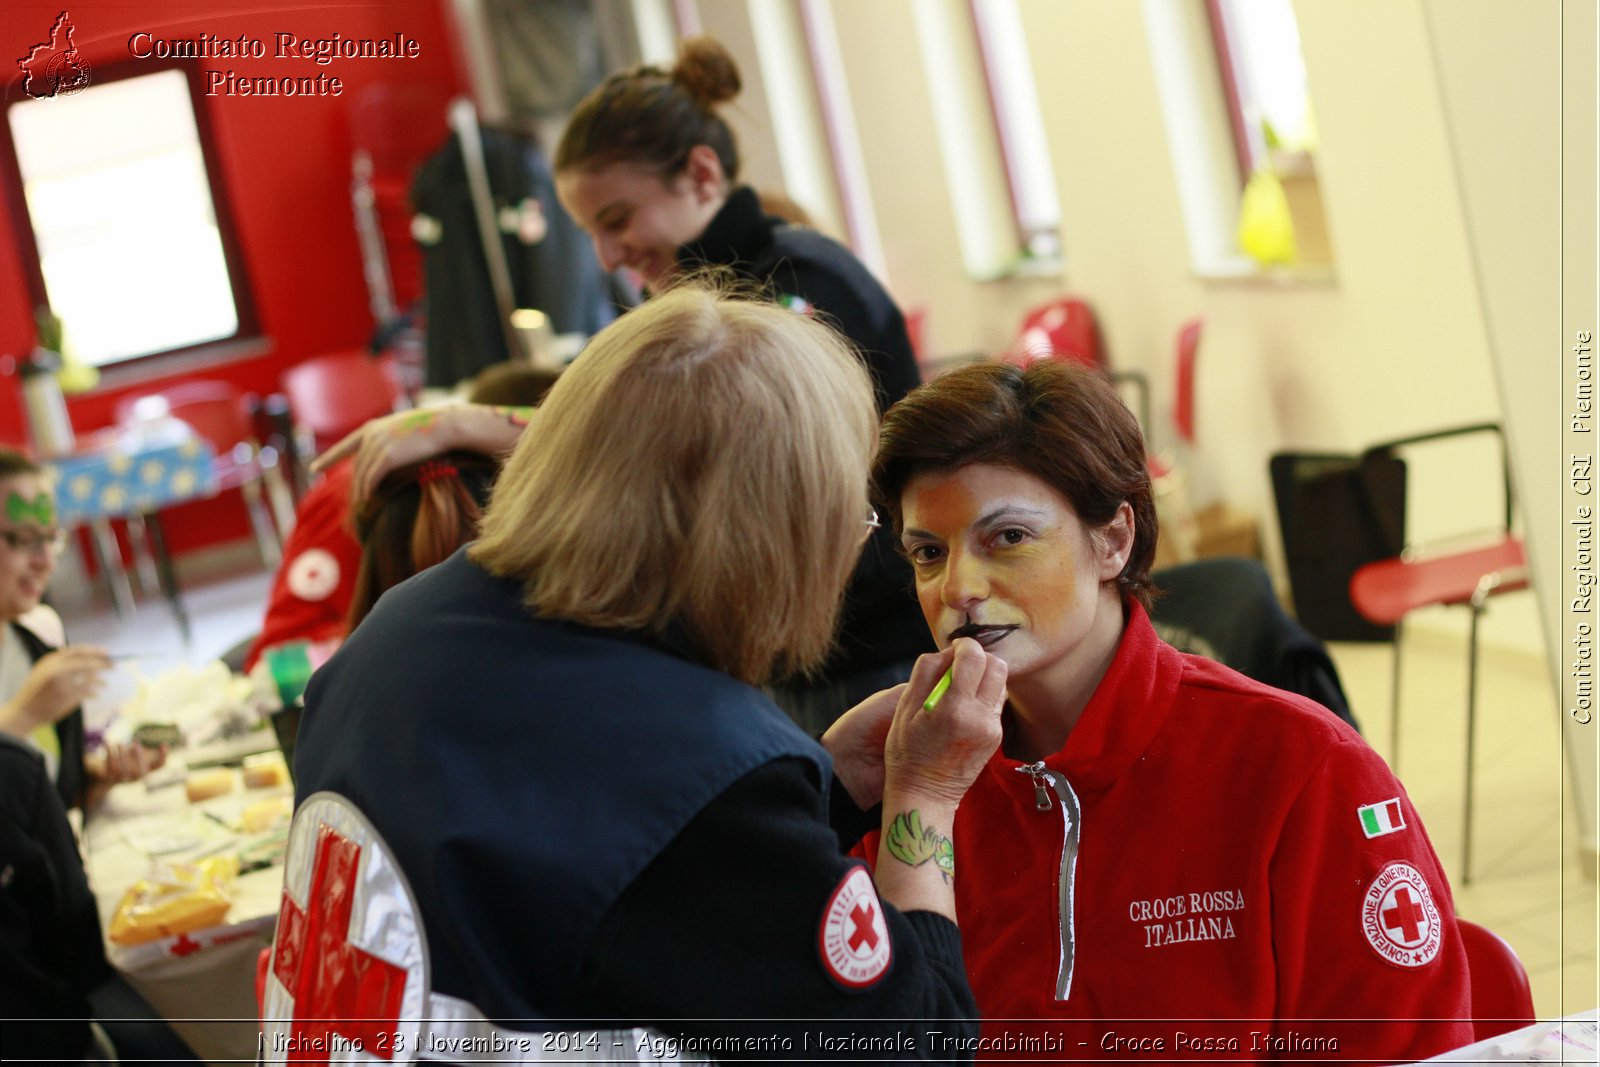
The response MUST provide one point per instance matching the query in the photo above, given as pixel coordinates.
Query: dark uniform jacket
(812, 273)
(596, 827)
(51, 954)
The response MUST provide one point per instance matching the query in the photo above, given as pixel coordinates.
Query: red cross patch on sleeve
(1399, 918)
(853, 937)
(314, 575)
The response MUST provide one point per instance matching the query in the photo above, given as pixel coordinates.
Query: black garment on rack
(557, 274)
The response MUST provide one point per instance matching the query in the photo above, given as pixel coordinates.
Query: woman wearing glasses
(650, 169)
(44, 681)
(52, 961)
(559, 736)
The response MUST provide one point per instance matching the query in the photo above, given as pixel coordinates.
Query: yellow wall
(1394, 342)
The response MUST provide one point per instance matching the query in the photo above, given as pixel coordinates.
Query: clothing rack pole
(464, 121)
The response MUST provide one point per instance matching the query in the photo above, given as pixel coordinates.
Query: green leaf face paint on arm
(42, 511)
(418, 422)
(914, 844)
(516, 416)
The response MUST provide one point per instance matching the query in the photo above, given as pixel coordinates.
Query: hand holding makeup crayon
(937, 744)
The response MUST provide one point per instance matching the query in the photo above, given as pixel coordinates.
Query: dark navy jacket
(596, 827)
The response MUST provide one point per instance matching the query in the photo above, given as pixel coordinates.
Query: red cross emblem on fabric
(852, 935)
(1406, 916)
(864, 934)
(339, 990)
(1399, 917)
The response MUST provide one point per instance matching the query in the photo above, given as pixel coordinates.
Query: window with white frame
(990, 134)
(1236, 101)
(1264, 77)
(1019, 124)
(126, 232)
(839, 126)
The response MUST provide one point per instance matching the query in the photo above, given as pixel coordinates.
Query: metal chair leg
(109, 557)
(1480, 599)
(167, 574)
(280, 500)
(139, 545)
(1472, 720)
(261, 522)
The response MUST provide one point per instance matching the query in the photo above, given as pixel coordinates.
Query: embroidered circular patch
(1399, 918)
(314, 574)
(853, 939)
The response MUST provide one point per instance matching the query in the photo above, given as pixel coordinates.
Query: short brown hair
(701, 469)
(511, 383)
(1060, 422)
(417, 517)
(653, 117)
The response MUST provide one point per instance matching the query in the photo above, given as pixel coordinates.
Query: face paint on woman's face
(1003, 558)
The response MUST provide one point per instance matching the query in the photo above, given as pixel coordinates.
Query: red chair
(1384, 592)
(1183, 374)
(1065, 328)
(225, 417)
(1501, 998)
(329, 396)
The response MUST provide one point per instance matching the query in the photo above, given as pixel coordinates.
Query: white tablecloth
(204, 983)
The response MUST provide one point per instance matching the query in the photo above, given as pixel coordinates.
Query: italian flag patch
(1381, 818)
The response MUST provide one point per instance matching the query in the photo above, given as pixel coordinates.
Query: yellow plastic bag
(1266, 229)
(176, 899)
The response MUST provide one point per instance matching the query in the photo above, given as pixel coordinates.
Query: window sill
(1051, 267)
(1242, 271)
(211, 357)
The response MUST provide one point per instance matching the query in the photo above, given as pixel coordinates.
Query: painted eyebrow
(999, 513)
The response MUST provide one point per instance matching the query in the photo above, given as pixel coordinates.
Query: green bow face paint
(41, 512)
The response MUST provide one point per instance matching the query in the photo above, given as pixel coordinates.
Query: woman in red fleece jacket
(1166, 858)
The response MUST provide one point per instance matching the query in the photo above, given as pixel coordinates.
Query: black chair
(1337, 512)
(1226, 609)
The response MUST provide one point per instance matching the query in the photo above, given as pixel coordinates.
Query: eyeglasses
(32, 541)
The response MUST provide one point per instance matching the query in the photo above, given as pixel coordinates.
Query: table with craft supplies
(187, 869)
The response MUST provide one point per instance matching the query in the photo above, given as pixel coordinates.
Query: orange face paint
(1002, 557)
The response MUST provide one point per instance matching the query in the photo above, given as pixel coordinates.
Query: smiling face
(638, 219)
(1002, 557)
(25, 508)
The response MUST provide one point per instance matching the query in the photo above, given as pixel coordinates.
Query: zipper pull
(1041, 784)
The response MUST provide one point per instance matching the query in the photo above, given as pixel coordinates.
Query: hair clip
(434, 469)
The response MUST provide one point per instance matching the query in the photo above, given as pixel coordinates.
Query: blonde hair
(700, 469)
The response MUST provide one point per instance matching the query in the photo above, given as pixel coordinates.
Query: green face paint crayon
(938, 690)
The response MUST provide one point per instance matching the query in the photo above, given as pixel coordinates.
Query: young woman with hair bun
(650, 168)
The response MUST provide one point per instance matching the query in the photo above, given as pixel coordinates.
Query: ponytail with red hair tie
(435, 469)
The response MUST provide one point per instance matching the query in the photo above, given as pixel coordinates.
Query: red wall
(287, 164)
